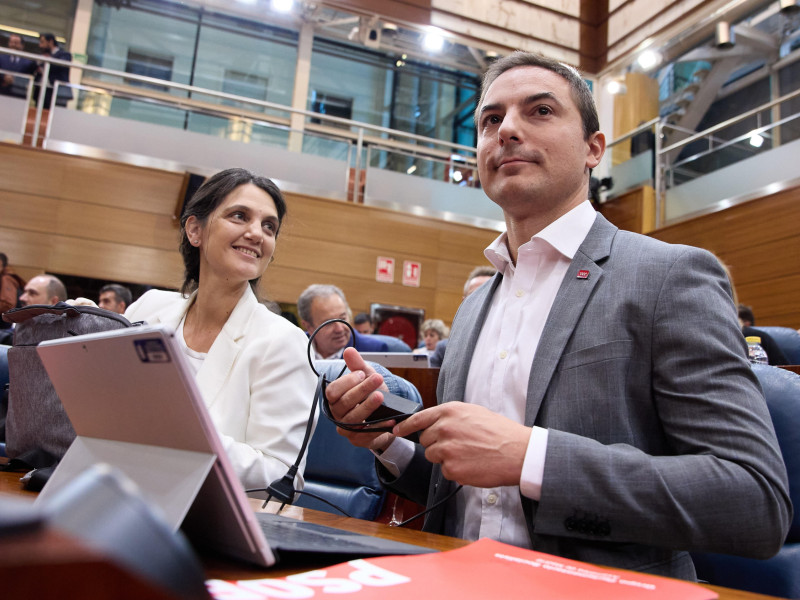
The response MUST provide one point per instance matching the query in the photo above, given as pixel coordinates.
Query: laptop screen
(134, 404)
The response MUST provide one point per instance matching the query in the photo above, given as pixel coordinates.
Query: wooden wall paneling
(285, 284)
(446, 305)
(632, 211)
(27, 212)
(28, 273)
(410, 11)
(319, 256)
(594, 35)
(774, 302)
(50, 174)
(354, 224)
(114, 184)
(759, 241)
(465, 245)
(30, 171)
(82, 228)
(26, 249)
(105, 260)
(772, 260)
(637, 105)
(118, 225)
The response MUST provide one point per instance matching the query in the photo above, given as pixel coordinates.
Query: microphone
(393, 407)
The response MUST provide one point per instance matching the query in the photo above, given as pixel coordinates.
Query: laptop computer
(134, 404)
(397, 359)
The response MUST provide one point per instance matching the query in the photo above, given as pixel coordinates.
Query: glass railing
(697, 172)
(147, 121)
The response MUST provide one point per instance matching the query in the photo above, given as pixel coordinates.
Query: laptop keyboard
(291, 535)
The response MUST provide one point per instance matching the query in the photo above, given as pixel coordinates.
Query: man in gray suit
(595, 399)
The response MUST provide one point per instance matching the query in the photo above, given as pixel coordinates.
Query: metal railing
(364, 142)
(359, 137)
(668, 158)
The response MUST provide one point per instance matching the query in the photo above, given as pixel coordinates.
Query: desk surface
(219, 568)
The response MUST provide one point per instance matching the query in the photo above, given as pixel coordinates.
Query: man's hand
(354, 397)
(474, 445)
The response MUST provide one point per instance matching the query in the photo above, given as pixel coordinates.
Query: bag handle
(18, 315)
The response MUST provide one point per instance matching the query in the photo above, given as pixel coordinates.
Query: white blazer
(255, 381)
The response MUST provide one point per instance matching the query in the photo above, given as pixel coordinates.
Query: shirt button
(491, 498)
(520, 293)
(503, 354)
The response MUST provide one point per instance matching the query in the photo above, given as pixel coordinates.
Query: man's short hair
(48, 37)
(746, 314)
(3, 261)
(121, 293)
(581, 93)
(480, 271)
(362, 318)
(316, 290)
(55, 288)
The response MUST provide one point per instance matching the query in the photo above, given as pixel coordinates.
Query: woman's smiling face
(238, 239)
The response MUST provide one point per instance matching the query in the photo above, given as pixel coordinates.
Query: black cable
(303, 492)
(432, 507)
(283, 488)
(321, 499)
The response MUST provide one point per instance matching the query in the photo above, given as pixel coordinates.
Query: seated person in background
(595, 400)
(10, 286)
(363, 324)
(43, 289)
(251, 363)
(319, 303)
(775, 355)
(746, 317)
(433, 331)
(476, 278)
(114, 297)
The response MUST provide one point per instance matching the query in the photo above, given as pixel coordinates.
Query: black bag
(38, 431)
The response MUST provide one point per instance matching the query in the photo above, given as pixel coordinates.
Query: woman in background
(250, 363)
(433, 331)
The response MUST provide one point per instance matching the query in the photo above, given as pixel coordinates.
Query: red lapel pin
(583, 274)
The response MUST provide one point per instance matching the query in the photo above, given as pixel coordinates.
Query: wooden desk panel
(83, 569)
(425, 381)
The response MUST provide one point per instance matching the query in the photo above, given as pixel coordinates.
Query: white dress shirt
(500, 368)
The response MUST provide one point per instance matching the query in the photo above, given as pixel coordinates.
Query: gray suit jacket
(659, 436)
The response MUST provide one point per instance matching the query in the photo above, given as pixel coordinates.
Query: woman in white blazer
(250, 363)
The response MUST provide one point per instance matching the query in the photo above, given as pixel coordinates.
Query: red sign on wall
(412, 272)
(384, 272)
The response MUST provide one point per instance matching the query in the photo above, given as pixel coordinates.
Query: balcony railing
(147, 121)
(153, 122)
(698, 172)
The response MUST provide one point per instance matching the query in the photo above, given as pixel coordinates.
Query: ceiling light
(434, 40)
(615, 87)
(649, 59)
(411, 169)
(457, 176)
(283, 6)
(756, 140)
